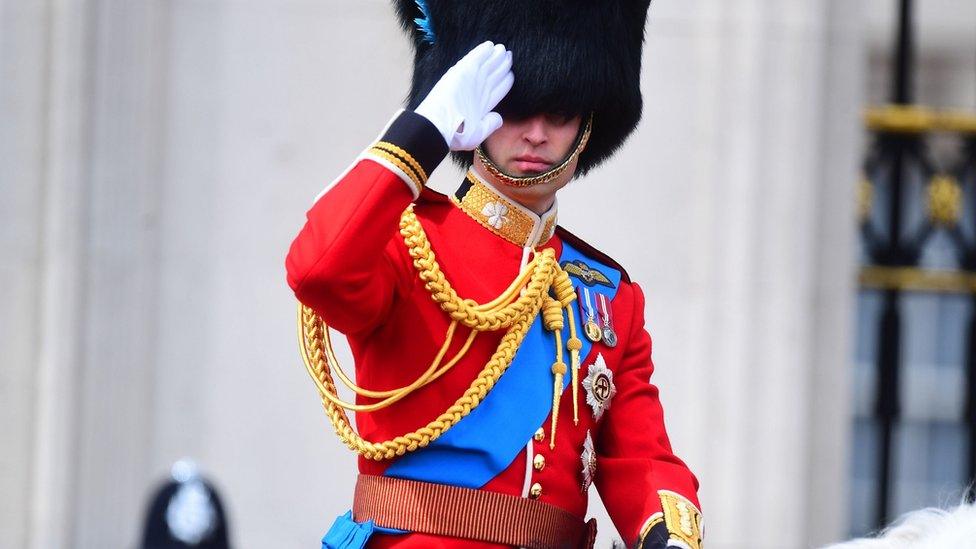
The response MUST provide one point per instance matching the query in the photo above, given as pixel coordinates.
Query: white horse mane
(930, 528)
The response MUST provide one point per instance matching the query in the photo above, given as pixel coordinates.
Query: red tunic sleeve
(642, 483)
(344, 263)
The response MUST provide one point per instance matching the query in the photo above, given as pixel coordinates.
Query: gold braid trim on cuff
(649, 524)
(683, 519)
(390, 147)
(514, 310)
(397, 161)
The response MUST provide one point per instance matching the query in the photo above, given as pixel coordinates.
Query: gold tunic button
(535, 491)
(539, 435)
(539, 462)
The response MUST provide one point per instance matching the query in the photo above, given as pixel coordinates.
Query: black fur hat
(569, 56)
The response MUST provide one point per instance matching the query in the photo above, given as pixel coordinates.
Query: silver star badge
(599, 387)
(589, 461)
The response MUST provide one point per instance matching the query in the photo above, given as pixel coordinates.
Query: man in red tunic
(502, 366)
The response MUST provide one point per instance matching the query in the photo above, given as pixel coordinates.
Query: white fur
(924, 529)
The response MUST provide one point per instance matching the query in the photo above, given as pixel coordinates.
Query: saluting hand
(460, 104)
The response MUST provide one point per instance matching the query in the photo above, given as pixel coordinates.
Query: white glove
(461, 102)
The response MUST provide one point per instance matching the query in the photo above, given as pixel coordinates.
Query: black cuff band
(419, 137)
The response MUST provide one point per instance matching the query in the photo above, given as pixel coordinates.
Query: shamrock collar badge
(496, 213)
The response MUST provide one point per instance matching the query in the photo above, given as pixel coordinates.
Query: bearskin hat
(569, 56)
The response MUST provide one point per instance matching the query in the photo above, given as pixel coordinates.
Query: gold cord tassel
(565, 294)
(552, 318)
(574, 345)
(558, 370)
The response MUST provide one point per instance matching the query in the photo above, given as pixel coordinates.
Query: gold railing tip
(918, 119)
(915, 279)
(900, 118)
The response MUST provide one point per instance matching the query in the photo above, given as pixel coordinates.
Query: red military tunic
(350, 264)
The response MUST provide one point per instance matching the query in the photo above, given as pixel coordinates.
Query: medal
(609, 336)
(590, 326)
(592, 331)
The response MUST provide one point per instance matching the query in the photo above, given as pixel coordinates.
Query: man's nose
(535, 130)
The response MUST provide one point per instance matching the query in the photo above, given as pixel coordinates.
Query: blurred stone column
(23, 80)
(81, 110)
(43, 154)
(127, 82)
(58, 345)
(830, 364)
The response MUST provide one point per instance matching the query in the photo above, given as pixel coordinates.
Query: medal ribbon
(604, 310)
(583, 307)
(591, 311)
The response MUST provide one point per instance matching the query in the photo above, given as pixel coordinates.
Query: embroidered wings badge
(587, 274)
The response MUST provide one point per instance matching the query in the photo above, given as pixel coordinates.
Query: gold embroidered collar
(503, 216)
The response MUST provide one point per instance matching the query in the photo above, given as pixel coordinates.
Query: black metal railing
(903, 176)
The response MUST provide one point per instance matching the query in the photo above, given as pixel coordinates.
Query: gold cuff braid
(402, 160)
(683, 519)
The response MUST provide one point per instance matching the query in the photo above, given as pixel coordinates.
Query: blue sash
(486, 441)
(346, 533)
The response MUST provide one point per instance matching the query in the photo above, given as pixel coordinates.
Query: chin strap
(545, 177)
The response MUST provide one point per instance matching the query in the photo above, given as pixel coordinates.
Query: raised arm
(347, 263)
(343, 263)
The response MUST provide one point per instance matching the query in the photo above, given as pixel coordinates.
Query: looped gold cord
(514, 310)
(552, 314)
